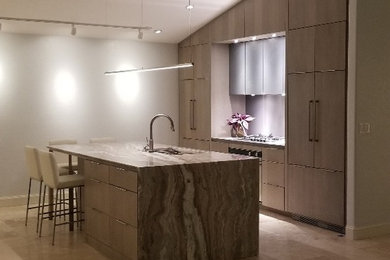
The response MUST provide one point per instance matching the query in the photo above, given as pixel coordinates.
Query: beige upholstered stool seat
(69, 181)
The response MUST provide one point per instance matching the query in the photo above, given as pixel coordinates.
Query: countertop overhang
(131, 154)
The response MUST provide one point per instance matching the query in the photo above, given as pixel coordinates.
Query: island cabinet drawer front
(273, 155)
(273, 173)
(97, 225)
(123, 178)
(96, 195)
(123, 238)
(123, 205)
(96, 171)
(273, 196)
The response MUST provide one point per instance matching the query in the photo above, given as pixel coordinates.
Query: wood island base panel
(196, 205)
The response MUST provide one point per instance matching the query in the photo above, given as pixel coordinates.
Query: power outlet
(364, 128)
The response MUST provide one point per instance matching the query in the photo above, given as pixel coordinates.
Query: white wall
(34, 109)
(371, 182)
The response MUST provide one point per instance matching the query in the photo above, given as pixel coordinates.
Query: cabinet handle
(193, 114)
(121, 222)
(120, 169)
(310, 105)
(316, 130)
(95, 209)
(95, 180)
(119, 188)
(96, 163)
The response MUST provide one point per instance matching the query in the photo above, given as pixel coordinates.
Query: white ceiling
(169, 15)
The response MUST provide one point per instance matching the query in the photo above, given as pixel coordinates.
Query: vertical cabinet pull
(193, 114)
(311, 102)
(316, 108)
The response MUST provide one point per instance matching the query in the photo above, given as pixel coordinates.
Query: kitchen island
(191, 205)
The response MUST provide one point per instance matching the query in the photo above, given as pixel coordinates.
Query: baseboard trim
(356, 233)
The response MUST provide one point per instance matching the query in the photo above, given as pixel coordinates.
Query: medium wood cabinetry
(319, 48)
(229, 25)
(303, 13)
(273, 182)
(316, 66)
(111, 208)
(265, 16)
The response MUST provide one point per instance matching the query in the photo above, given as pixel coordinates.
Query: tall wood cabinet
(194, 91)
(316, 82)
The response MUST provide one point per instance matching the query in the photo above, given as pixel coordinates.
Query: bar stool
(52, 179)
(63, 159)
(102, 140)
(34, 172)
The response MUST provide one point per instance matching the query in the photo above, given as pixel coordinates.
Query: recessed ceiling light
(157, 31)
(235, 41)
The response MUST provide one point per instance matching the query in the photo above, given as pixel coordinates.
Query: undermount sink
(167, 150)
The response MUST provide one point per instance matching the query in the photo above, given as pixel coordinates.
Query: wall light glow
(65, 86)
(126, 85)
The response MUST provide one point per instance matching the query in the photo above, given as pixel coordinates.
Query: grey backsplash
(269, 111)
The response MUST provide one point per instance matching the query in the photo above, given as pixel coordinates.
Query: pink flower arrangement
(240, 120)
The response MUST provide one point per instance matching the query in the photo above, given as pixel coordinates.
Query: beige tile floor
(280, 238)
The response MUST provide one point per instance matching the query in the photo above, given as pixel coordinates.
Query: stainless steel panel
(237, 69)
(254, 67)
(274, 66)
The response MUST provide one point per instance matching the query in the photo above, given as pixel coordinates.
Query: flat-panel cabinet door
(123, 238)
(330, 47)
(96, 195)
(201, 106)
(265, 16)
(274, 66)
(254, 62)
(303, 13)
(185, 56)
(316, 193)
(202, 61)
(97, 225)
(237, 69)
(230, 25)
(124, 205)
(300, 119)
(300, 50)
(186, 108)
(328, 196)
(330, 120)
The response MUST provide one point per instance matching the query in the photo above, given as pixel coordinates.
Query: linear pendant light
(177, 66)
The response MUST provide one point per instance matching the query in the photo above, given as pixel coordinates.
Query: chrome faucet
(150, 141)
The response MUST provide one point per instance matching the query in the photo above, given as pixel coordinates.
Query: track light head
(140, 34)
(74, 30)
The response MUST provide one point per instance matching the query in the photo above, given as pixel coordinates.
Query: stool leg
(77, 205)
(42, 210)
(39, 203)
(28, 201)
(81, 208)
(55, 217)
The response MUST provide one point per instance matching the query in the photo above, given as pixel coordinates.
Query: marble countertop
(131, 155)
(276, 144)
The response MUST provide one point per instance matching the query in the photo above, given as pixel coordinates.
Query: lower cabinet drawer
(96, 195)
(273, 173)
(272, 196)
(97, 225)
(123, 205)
(123, 238)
